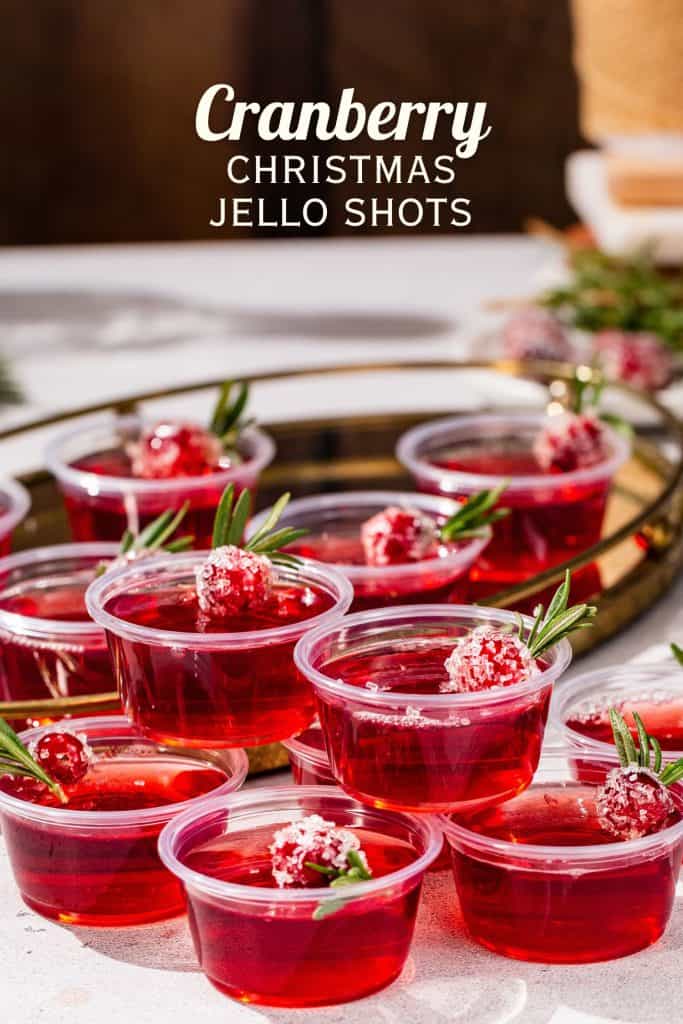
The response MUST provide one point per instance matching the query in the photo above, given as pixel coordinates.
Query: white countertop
(74, 321)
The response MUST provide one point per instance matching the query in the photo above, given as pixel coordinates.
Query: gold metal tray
(639, 555)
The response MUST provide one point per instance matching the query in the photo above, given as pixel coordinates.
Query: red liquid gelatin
(49, 646)
(308, 758)
(394, 739)
(334, 524)
(539, 879)
(215, 683)
(14, 504)
(103, 498)
(554, 515)
(94, 861)
(260, 944)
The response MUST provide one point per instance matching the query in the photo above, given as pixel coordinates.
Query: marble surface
(86, 324)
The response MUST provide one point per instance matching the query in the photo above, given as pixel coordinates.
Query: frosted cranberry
(570, 442)
(635, 357)
(534, 333)
(486, 659)
(632, 803)
(63, 756)
(397, 535)
(174, 449)
(232, 580)
(315, 840)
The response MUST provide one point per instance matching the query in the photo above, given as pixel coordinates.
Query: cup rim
(99, 483)
(32, 626)
(458, 480)
(56, 816)
(411, 614)
(305, 571)
(576, 689)
(461, 557)
(596, 855)
(312, 755)
(19, 504)
(275, 796)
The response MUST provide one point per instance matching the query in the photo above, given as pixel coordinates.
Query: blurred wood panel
(98, 99)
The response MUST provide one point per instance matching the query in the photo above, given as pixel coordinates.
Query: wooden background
(98, 97)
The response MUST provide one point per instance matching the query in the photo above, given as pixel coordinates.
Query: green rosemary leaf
(281, 558)
(221, 523)
(321, 868)
(181, 544)
(560, 598)
(539, 615)
(672, 773)
(279, 539)
(169, 529)
(620, 728)
(475, 515)
(327, 908)
(677, 653)
(357, 864)
(239, 518)
(565, 623)
(643, 741)
(270, 521)
(618, 423)
(657, 750)
(13, 751)
(127, 542)
(221, 405)
(147, 537)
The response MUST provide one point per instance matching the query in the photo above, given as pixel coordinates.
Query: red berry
(635, 357)
(398, 535)
(232, 580)
(174, 449)
(64, 756)
(571, 441)
(632, 803)
(311, 839)
(534, 333)
(486, 659)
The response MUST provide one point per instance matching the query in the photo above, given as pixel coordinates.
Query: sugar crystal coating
(632, 803)
(398, 535)
(232, 580)
(486, 659)
(168, 450)
(312, 839)
(63, 755)
(571, 441)
(638, 358)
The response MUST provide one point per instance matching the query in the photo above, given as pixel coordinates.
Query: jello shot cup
(394, 738)
(14, 505)
(94, 861)
(333, 523)
(554, 516)
(539, 878)
(49, 645)
(103, 498)
(182, 680)
(308, 758)
(297, 947)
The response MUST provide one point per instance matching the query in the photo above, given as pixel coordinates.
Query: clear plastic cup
(101, 506)
(529, 897)
(261, 944)
(14, 504)
(210, 688)
(308, 758)
(423, 751)
(334, 522)
(49, 646)
(580, 708)
(553, 517)
(101, 867)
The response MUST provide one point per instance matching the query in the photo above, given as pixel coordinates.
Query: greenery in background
(627, 293)
(9, 393)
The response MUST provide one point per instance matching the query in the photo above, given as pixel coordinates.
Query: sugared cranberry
(315, 840)
(534, 333)
(632, 803)
(571, 441)
(397, 535)
(634, 357)
(64, 756)
(485, 659)
(232, 580)
(174, 449)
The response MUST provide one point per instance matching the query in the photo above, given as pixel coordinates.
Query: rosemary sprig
(17, 760)
(549, 627)
(677, 653)
(646, 753)
(339, 877)
(154, 537)
(475, 516)
(231, 519)
(226, 422)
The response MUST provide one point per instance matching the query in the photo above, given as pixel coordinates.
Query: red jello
(94, 860)
(185, 678)
(261, 944)
(554, 515)
(539, 878)
(395, 738)
(103, 498)
(334, 523)
(14, 504)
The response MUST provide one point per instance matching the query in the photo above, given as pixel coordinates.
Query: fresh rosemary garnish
(475, 516)
(549, 627)
(647, 753)
(226, 422)
(585, 396)
(17, 760)
(351, 875)
(154, 537)
(231, 519)
(677, 653)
